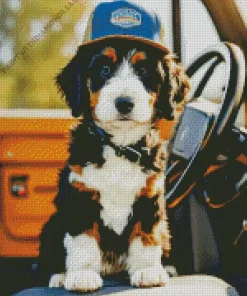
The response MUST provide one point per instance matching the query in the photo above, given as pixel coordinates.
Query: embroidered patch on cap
(126, 18)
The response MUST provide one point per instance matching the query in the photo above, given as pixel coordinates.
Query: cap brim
(148, 42)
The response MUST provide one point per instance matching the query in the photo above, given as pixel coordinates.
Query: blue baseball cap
(124, 20)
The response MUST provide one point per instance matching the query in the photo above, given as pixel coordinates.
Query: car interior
(206, 174)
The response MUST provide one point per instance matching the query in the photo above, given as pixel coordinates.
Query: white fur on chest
(119, 181)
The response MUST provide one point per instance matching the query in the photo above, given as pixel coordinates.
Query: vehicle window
(36, 41)
(199, 33)
(197, 29)
(242, 5)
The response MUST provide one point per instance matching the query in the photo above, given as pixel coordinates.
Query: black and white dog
(111, 212)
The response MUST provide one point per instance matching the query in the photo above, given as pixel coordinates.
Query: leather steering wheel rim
(207, 151)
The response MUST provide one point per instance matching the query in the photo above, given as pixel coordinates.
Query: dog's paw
(83, 281)
(150, 277)
(57, 280)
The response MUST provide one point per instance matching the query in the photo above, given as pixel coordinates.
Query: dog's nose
(124, 105)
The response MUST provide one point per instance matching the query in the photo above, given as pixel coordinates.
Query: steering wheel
(189, 164)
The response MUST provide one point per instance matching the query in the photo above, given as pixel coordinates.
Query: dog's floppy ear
(72, 83)
(174, 88)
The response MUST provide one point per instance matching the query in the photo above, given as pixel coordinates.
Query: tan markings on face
(110, 53)
(94, 232)
(138, 56)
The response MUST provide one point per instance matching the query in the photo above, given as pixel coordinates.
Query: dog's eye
(105, 72)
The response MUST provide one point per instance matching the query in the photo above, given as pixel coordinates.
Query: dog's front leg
(144, 264)
(82, 263)
(150, 238)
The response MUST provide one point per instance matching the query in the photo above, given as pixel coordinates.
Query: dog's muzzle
(124, 105)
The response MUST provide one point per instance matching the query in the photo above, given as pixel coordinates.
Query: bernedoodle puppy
(111, 214)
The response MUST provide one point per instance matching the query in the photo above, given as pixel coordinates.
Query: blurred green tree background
(37, 39)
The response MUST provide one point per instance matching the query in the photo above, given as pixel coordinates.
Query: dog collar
(137, 153)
